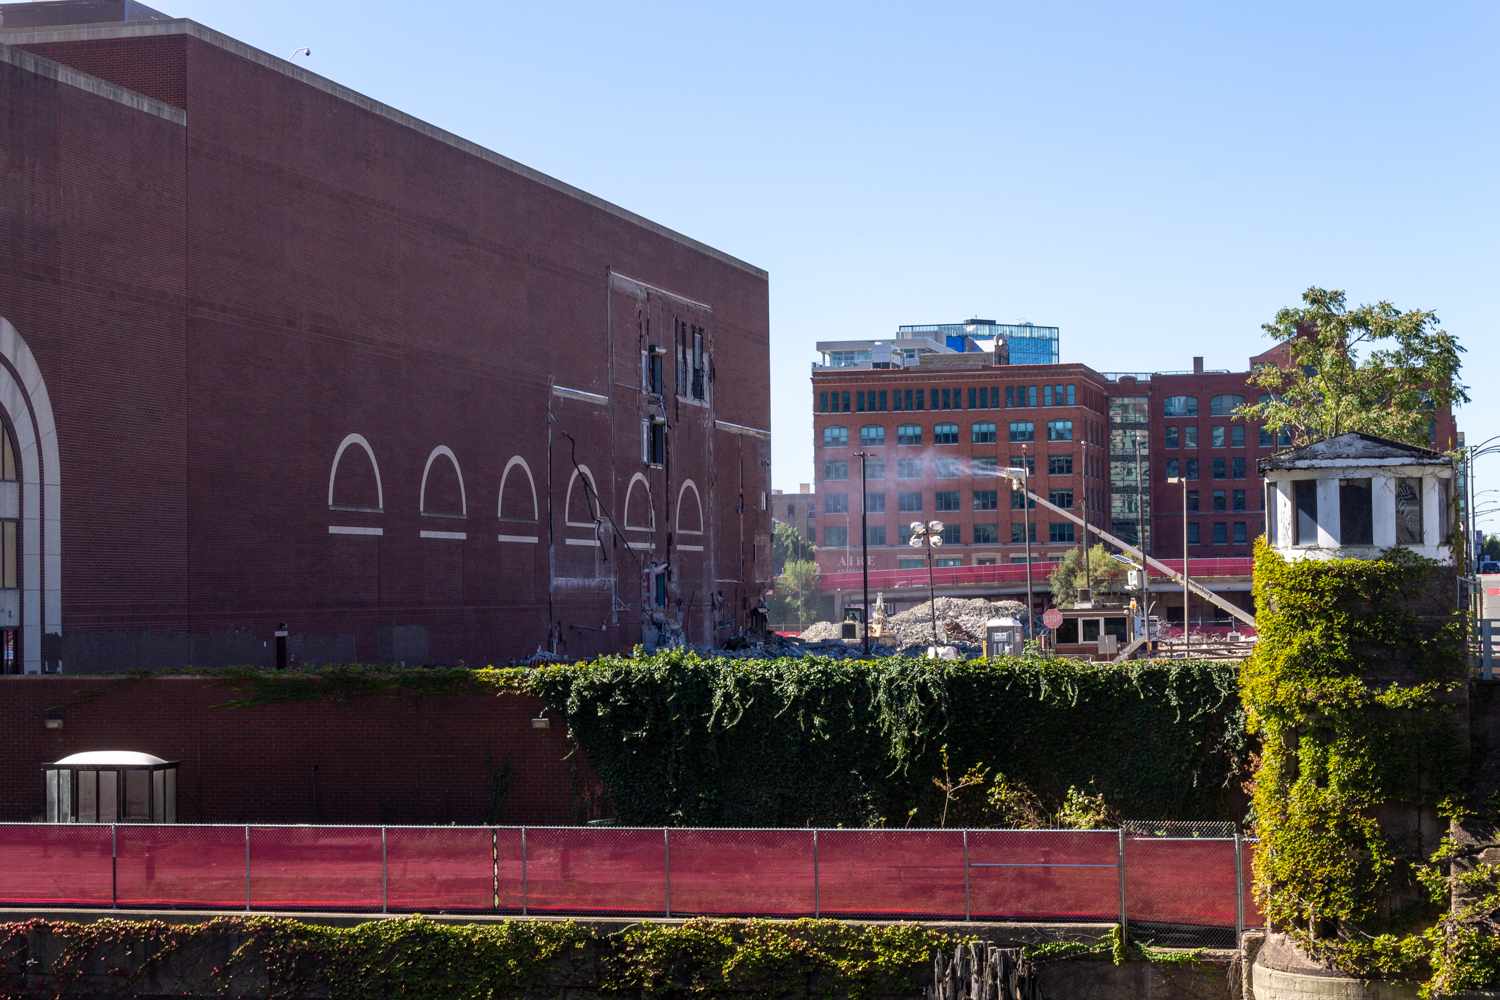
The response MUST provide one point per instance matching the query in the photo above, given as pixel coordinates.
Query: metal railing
(951, 576)
(1173, 889)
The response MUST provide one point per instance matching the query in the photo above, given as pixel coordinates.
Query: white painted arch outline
(568, 503)
(358, 439)
(688, 484)
(463, 498)
(536, 510)
(650, 524)
(41, 511)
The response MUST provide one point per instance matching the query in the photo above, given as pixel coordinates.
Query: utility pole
(1084, 455)
(1026, 519)
(864, 545)
(1140, 536)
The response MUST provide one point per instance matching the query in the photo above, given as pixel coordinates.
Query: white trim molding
(463, 498)
(587, 397)
(725, 425)
(349, 529)
(358, 439)
(536, 510)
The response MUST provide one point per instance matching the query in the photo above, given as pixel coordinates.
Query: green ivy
(684, 741)
(1351, 687)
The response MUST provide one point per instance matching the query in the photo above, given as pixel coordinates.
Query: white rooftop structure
(109, 758)
(1355, 496)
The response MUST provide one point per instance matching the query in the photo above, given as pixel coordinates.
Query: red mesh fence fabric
(1044, 875)
(883, 873)
(596, 870)
(181, 866)
(1176, 880)
(315, 867)
(742, 872)
(440, 868)
(56, 864)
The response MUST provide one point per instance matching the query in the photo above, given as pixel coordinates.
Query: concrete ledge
(1272, 984)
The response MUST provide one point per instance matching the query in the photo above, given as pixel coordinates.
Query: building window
(945, 468)
(986, 499)
(835, 503)
(846, 402)
(822, 402)
(1010, 396)
(950, 561)
(875, 503)
(903, 537)
(1236, 468)
(874, 468)
(982, 433)
(1218, 436)
(859, 402)
(1224, 406)
(921, 399)
(1409, 512)
(1305, 500)
(946, 500)
(1059, 430)
(1046, 395)
(836, 470)
(835, 437)
(1171, 437)
(1060, 532)
(1070, 395)
(1192, 468)
(875, 534)
(1022, 430)
(909, 434)
(1356, 512)
(882, 400)
(1059, 465)
(1027, 462)
(871, 436)
(1016, 500)
(908, 468)
(656, 441)
(986, 534)
(1172, 468)
(945, 434)
(1190, 436)
(984, 397)
(987, 466)
(1031, 395)
(1060, 498)
(952, 536)
(1192, 500)
(973, 397)
(1221, 500)
(909, 502)
(1238, 500)
(1237, 435)
(835, 537)
(1221, 533)
(908, 563)
(1180, 406)
(1192, 533)
(1018, 532)
(1267, 440)
(1240, 537)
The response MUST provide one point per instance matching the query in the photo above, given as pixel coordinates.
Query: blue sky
(1155, 179)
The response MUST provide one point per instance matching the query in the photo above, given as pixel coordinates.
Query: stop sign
(1052, 618)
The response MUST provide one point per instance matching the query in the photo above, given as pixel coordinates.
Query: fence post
(523, 871)
(816, 911)
(666, 855)
(1487, 648)
(1124, 929)
(114, 866)
(966, 876)
(247, 869)
(1239, 889)
(384, 876)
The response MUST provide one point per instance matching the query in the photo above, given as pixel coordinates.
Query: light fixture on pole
(1019, 476)
(1187, 628)
(929, 536)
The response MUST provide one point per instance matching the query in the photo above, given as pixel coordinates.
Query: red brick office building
(936, 435)
(272, 351)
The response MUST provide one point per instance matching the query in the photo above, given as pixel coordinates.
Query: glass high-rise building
(1029, 344)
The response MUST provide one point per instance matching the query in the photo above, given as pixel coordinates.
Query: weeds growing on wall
(679, 740)
(1352, 686)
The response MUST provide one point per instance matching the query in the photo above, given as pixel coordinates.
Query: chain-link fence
(1172, 884)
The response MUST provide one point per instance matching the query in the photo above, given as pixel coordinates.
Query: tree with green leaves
(787, 543)
(1372, 369)
(796, 594)
(1105, 575)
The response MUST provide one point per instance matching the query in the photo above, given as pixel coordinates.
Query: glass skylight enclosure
(1029, 344)
(111, 786)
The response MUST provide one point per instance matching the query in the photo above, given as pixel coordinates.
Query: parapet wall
(423, 760)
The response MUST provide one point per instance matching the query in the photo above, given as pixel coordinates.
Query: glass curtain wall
(1130, 497)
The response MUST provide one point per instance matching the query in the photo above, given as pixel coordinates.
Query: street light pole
(864, 545)
(1083, 452)
(929, 536)
(1187, 628)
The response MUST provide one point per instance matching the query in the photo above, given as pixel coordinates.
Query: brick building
(272, 351)
(799, 509)
(935, 433)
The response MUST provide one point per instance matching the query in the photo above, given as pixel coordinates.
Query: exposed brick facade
(423, 760)
(217, 306)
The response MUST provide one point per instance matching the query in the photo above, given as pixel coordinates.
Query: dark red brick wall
(380, 760)
(216, 306)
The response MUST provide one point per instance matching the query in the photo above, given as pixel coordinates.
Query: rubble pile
(962, 619)
(821, 632)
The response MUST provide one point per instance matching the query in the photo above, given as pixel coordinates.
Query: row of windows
(1222, 500)
(911, 501)
(947, 468)
(981, 534)
(1221, 534)
(1223, 468)
(1218, 406)
(983, 397)
(1231, 436)
(984, 432)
